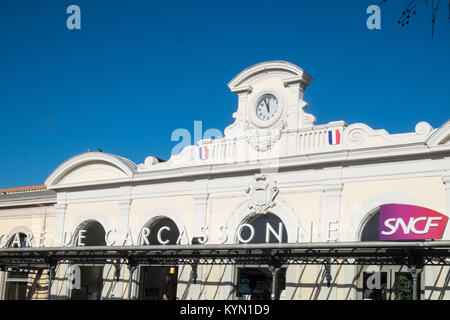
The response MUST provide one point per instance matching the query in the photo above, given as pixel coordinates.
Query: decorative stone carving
(359, 134)
(307, 119)
(149, 161)
(261, 194)
(187, 156)
(356, 136)
(423, 128)
(263, 140)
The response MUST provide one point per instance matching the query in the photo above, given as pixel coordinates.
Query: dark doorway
(91, 284)
(256, 283)
(91, 277)
(158, 283)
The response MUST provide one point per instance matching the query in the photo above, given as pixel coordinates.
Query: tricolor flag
(334, 137)
(203, 152)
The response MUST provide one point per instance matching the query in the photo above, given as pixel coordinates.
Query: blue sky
(137, 70)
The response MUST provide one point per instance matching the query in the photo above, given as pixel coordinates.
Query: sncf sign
(404, 222)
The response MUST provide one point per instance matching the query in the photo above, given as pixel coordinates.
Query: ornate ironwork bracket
(327, 272)
(117, 269)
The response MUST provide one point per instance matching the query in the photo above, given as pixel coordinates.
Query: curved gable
(91, 167)
(288, 72)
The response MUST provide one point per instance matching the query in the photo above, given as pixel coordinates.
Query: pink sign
(406, 222)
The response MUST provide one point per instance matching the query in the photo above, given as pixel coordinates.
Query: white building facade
(274, 165)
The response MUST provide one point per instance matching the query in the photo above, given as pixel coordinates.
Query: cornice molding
(28, 203)
(332, 158)
(23, 215)
(297, 145)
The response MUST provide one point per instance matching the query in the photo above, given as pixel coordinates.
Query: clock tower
(270, 121)
(270, 99)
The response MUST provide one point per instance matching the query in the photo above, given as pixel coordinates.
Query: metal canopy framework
(415, 255)
(347, 253)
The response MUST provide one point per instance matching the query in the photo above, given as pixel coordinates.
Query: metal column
(51, 277)
(131, 269)
(415, 271)
(275, 270)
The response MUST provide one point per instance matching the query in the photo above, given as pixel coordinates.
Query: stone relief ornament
(308, 120)
(149, 161)
(358, 134)
(261, 194)
(263, 140)
(423, 128)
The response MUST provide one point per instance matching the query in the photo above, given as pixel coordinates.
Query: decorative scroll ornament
(356, 135)
(308, 120)
(423, 128)
(261, 194)
(149, 162)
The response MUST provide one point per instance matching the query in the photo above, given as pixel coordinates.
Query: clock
(266, 107)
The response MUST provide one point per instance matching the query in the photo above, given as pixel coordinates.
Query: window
(403, 286)
(374, 293)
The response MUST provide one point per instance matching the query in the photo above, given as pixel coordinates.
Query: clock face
(267, 107)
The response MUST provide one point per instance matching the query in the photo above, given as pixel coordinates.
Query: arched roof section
(289, 72)
(91, 167)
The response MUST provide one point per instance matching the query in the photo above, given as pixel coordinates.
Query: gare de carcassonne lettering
(113, 238)
(396, 222)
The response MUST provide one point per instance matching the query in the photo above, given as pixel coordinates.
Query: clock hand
(267, 105)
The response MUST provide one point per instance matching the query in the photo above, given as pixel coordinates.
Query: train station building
(280, 207)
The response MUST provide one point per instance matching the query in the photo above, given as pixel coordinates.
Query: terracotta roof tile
(23, 189)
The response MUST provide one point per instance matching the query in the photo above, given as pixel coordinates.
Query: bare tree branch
(410, 11)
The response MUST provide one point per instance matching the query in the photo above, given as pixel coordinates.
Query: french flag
(203, 152)
(334, 137)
